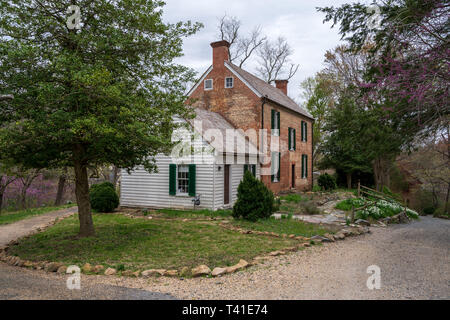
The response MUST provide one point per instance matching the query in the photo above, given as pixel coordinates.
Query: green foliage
(295, 198)
(254, 200)
(103, 197)
(309, 207)
(316, 188)
(326, 182)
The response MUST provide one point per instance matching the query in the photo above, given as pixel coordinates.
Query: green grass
(140, 244)
(14, 216)
(346, 205)
(201, 213)
(280, 226)
(295, 198)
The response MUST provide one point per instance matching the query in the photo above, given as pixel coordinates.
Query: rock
(260, 258)
(28, 264)
(306, 244)
(291, 236)
(127, 273)
(136, 274)
(340, 236)
(329, 237)
(291, 249)
(86, 268)
(362, 222)
(52, 266)
(62, 269)
(110, 272)
(320, 239)
(171, 273)
(274, 253)
(241, 265)
(218, 272)
(153, 272)
(98, 268)
(201, 270)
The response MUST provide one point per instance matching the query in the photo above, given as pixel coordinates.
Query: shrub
(254, 200)
(316, 188)
(103, 197)
(327, 182)
(309, 207)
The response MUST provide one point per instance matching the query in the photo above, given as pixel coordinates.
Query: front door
(293, 176)
(226, 184)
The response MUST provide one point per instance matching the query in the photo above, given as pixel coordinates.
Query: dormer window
(208, 84)
(229, 82)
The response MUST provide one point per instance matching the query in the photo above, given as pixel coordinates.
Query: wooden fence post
(359, 188)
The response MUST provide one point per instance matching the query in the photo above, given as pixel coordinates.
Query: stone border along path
(49, 219)
(10, 233)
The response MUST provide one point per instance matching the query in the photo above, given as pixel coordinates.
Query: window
(304, 131)
(304, 166)
(251, 168)
(183, 179)
(275, 123)
(275, 166)
(292, 139)
(229, 82)
(208, 84)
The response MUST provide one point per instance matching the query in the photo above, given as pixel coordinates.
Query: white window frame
(292, 138)
(212, 84)
(232, 82)
(178, 179)
(275, 175)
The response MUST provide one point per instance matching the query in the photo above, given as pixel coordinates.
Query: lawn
(14, 216)
(139, 244)
(280, 226)
(201, 213)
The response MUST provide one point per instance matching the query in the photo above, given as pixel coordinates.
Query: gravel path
(24, 227)
(414, 261)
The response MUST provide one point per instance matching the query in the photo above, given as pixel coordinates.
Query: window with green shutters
(275, 123)
(304, 128)
(304, 166)
(276, 165)
(251, 168)
(182, 179)
(291, 138)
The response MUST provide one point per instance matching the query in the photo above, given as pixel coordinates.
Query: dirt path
(21, 228)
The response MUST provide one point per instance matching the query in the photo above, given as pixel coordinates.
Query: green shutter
(172, 179)
(303, 165)
(272, 164)
(273, 120)
(245, 168)
(306, 166)
(295, 138)
(254, 170)
(306, 131)
(278, 119)
(289, 138)
(192, 176)
(279, 165)
(302, 131)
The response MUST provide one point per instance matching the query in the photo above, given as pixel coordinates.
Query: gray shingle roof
(269, 91)
(214, 121)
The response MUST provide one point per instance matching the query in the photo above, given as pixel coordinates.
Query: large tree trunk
(349, 180)
(61, 184)
(82, 195)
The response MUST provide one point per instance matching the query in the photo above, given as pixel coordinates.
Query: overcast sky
(296, 20)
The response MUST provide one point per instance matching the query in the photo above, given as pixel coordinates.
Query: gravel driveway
(414, 261)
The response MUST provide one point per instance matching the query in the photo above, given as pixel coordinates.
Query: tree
(318, 93)
(408, 58)
(274, 60)
(7, 176)
(27, 178)
(101, 94)
(241, 47)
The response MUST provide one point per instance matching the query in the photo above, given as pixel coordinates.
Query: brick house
(248, 102)
(227, 98)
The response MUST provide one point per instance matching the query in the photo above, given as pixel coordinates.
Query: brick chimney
(220, 53)
(282, 85)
